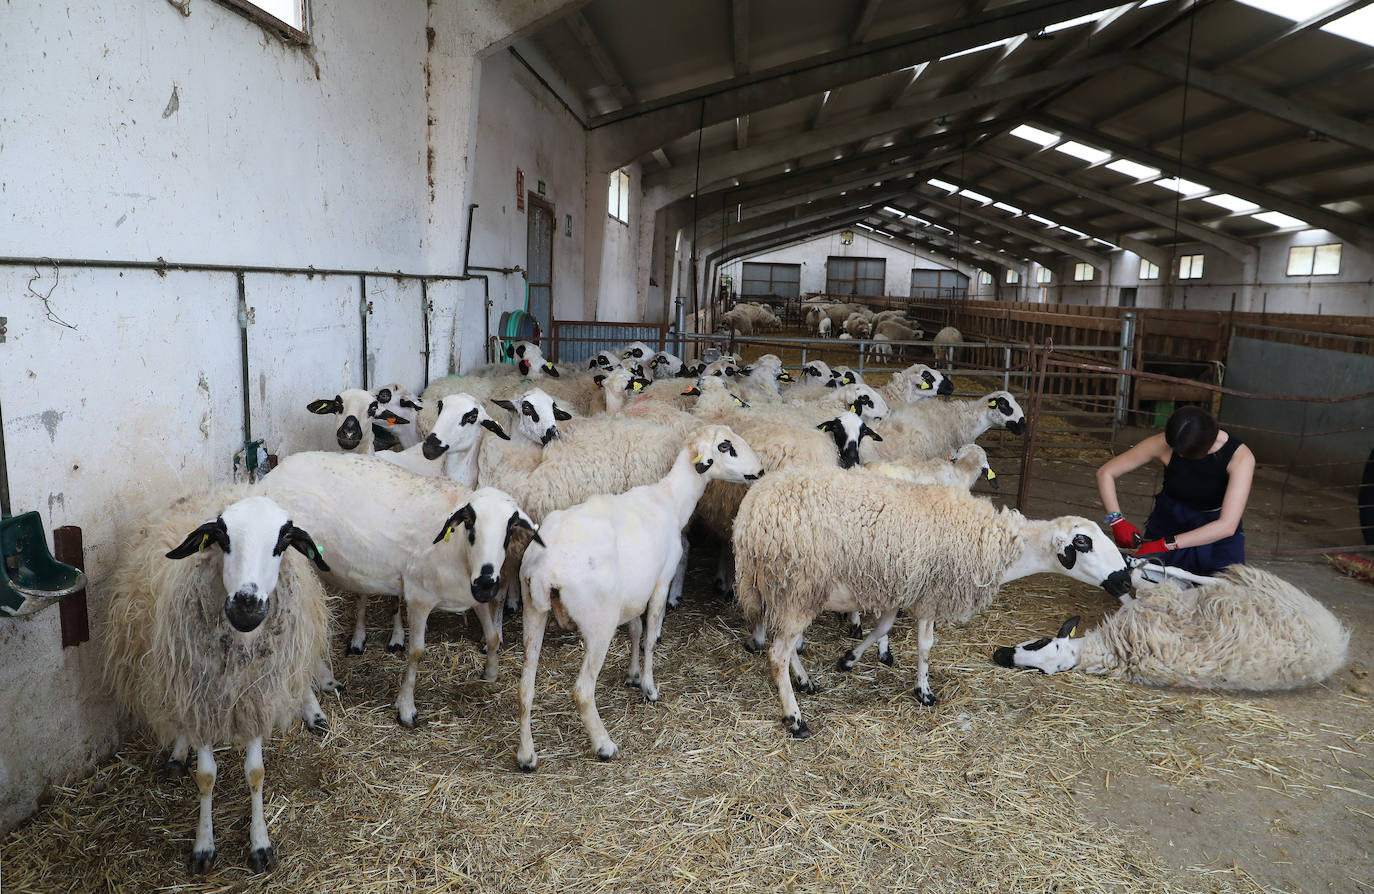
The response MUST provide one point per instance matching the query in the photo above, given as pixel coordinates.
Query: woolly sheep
(1248, 629)
(620, 385)
(406, 406)
(606, 361)
(931, 429)
(667, 366)
(610, 561)
(823, 328)
(962, 470)
(838, 313)
(843, 375)
(637, 351)
(485, 381)
(355, 410)
(916, 382)
(938, 552)
(947, 336)
(219, 646)
(814, 374)
(857, 325)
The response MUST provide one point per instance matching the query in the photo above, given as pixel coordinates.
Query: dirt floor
(1013, 782)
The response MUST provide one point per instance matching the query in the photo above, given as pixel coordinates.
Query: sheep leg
(324, 677)
(489, 616)
(355, 645)
(925, 638)
(260, 854)
(725, 571)
(397, 643)
(885, 622)
(534, 621)
(756, 642)
(176, 761)
(657, 608)
(405, 699)
(311, 714)
(675, 592)
(632, 676)
(856, 628)
(203, 855)
(584, 692)
(780, 657)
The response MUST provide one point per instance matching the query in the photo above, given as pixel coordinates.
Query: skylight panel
(1132, 169)
(976, 196)
(1358, 26)
(1009, 208)
(1042, 220)
(890, 210)
(947, 187)
(920, 220)
(1106, 243)
(1079, 150)
(1073, 23)
(978, 49)
(1230, 202)
(866, 227)
(1282, 221)
(1072, 230)
(1185, 187)
(1296, 10)
(1035, 135)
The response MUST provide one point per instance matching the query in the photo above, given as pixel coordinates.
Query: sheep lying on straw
(1247, 630)
(219, 646)
(938, 552)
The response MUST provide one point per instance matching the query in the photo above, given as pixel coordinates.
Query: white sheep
(931, 429)
(843, 375)
(620, 385)
(916, 382)
(962, 469)
(1247, 629)
(457, 428)
(947, 336)
(610, 561)
(331, 494)
(606, 361)
(824, 327)
(808, 540)
(406, 406)
(637, 351)
(858, 325)
(219, 646)
(667, 366)
(355, 410)
(814, 374)
(889, 331)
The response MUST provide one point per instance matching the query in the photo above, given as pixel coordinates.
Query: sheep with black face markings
(406, 407)
(355, 410)
(455, 429)
(1246, 629)
(213, 635)
(932, 429)
(938, 552)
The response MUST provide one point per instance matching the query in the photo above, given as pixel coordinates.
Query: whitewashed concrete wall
(147, 134)
(813, 253)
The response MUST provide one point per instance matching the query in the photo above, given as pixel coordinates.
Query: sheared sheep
(406, 406)
(938, 552)
(609, 561)
(1248, 629)
(219, 646)
(455, 429)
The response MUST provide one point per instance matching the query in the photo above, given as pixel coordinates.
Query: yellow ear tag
(925, 386)
(448, 532)
(738, 402)
(637, 386)
(204, 542)
(1072, 631)
(992, 403)
(991, 474)
(853, 408)
(697, 461)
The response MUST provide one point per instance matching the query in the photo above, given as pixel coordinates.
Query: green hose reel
(516, 325)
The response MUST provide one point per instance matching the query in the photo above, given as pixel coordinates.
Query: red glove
(1126, 535)
(1162, 545)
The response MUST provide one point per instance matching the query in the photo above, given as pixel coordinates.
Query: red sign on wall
(519, 190)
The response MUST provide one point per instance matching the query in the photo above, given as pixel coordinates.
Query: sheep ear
(510, 351)
(325, 407)
(518, 519)
(865, 430)
(495, 428)
(992, 478)
(200, 538)
(411, 404)
(561, 414)
(503, 403)
(827, 425)
(384, 395)
(692, 390)
(599, 378)
(551, 369)
(1068, 628)
(464, 516)
(300, 541)
(391, 418)
(592, 364)
(739, 402)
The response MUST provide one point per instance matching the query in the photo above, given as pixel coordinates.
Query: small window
(1042, 276)
(1013, 277)
(1082, 272)
(985, 278)
(1148, 270)
(1314, 260)
(618, 201)
(288, 17)
(1190, 267)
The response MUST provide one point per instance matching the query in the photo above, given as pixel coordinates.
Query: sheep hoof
(797, 727)
(847, 661)
(925, 697)
(651, 696)
(753, 646)
(809, 687)
(607, 753)
(394, 648)
(174, 769)
(632, 681)
(202, 861)
(332, 685)
(673, 606)
(262, 858)
(527, 766)
(410, 723)
(356, 648)
(318, 724)
(801, 647)
(856, 631)
(886, 658)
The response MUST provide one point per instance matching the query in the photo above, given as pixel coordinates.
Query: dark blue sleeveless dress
(1191, 497)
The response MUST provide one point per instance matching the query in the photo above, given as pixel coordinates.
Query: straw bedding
(709, 794)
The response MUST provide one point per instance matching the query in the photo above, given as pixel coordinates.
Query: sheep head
(489, 518)
(1049, 655)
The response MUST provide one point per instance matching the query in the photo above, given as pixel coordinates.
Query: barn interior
(219, 211)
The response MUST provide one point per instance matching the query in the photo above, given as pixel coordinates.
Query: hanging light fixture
(846, 237)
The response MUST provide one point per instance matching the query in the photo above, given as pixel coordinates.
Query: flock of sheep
(883, 334)
(566, 492)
